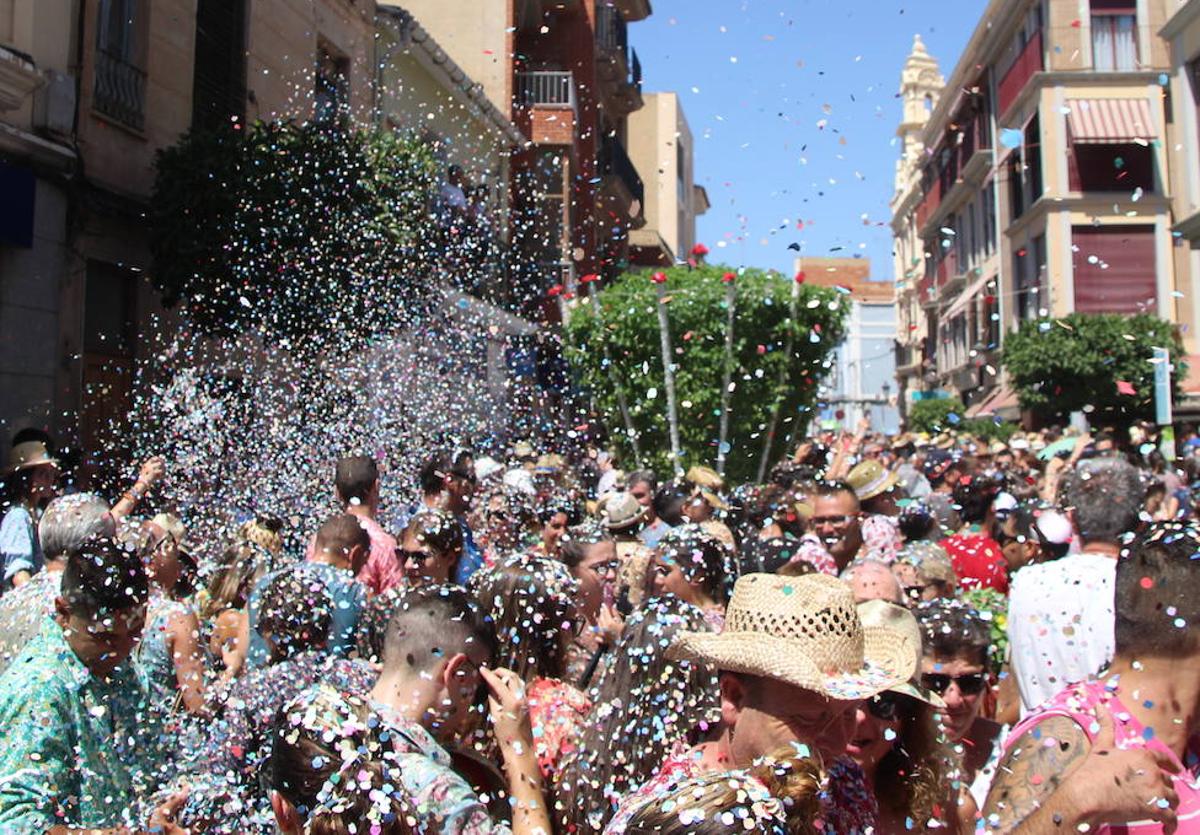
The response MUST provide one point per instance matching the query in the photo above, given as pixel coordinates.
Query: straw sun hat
(804, 631)
(29, 454)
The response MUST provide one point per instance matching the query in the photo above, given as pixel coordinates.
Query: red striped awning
(1110, 120)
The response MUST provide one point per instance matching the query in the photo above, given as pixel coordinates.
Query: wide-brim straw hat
(803, 631)
(870, 479)
(29, 454)
(885, 615)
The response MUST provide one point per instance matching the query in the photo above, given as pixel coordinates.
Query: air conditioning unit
(54, 107)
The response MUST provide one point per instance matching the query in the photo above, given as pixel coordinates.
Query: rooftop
(853, 274)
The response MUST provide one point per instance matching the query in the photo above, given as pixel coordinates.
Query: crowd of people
(892, 634)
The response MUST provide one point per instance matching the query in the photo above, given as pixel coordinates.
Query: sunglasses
(885, 706)
(970, 684)
(470, 478)
(416, 556)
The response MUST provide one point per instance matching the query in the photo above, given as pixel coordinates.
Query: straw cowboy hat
(804, 631)
(869, 479)
(29, 454)
(880, 614)
(708, 484)
(618, 511)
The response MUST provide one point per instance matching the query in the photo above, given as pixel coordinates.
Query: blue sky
(793, 105)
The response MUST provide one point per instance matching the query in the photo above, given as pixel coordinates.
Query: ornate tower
(921, 84)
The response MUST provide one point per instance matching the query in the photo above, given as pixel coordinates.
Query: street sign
(1162, 386)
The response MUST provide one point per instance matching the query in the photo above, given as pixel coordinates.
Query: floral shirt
(77, 750)
(444, 802)
(226, 773)
(847, 805)
(557, 711)
(22, 612)
(813, 551)
(881, 538)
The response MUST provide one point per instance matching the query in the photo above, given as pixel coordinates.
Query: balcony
(547, 106)
(617, 66)
(1029, 62)
(120, 92)
(621, 189)
(19, 77)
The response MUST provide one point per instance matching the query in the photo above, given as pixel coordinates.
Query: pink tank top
(1082, 704)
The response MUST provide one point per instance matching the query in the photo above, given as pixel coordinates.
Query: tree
(1095, 363)
(949, 414)
(627, 334)
(293, 231)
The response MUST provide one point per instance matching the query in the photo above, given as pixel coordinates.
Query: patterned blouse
(557, 711)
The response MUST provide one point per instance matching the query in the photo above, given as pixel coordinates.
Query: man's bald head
(873, 580)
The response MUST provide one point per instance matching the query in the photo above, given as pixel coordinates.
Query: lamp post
(887, 395)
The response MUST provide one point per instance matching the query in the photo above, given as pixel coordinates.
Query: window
(1025, 170)
(1029, 266)
(991, 312)
(120, 87)
(680, 171)
(219, 76)
(1114, 268)
(332, 89)
(972, 251)
(1114, 35)
(989, 218)
(1118, 167)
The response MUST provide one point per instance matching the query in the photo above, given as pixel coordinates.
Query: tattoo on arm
(1032, 770)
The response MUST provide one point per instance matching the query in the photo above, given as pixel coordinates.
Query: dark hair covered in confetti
(334, 761)
(1157, 593)
(778, 795)
(702, 558)
(557, 503)
(354, 477)
(530, 602)
(102, 577)
(953, 629)
(973, 497)
(437, 529)
(644, 704)
(296, 612)
(434, 470)
(431, 623)
(578, 540)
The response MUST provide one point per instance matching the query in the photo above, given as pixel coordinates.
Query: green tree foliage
(292, 230)
(1075, 363)
(949, 415)
(696, 307)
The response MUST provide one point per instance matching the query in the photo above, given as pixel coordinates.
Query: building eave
(409, 32)
(1184, 16)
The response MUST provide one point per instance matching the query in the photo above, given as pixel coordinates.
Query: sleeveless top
(153, 655)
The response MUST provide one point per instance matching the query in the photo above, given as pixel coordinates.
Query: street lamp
(887, 393)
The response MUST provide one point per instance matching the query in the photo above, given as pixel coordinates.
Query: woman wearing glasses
(956, 641)
(897, 742)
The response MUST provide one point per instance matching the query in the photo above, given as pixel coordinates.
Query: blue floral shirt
(78, 751)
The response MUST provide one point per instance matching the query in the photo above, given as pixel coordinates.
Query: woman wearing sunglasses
(956, 641)
(897, 742)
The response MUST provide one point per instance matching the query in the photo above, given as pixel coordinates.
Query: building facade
(663, 151)
(1035, 182)
(568, 77)
(862, 380)
(90, 90)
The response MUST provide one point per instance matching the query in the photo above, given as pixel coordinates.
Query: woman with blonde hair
(779, 795)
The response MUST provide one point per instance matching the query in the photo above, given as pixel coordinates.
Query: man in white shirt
(1060, 613)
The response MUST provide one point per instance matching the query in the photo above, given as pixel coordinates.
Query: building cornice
(1137, 79)
(409, 32)
(1184, 16)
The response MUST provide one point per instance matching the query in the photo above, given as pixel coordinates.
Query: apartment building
(1035, 181)
(568, 77)
(90, 90)
(861, 380)
(663, 151)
